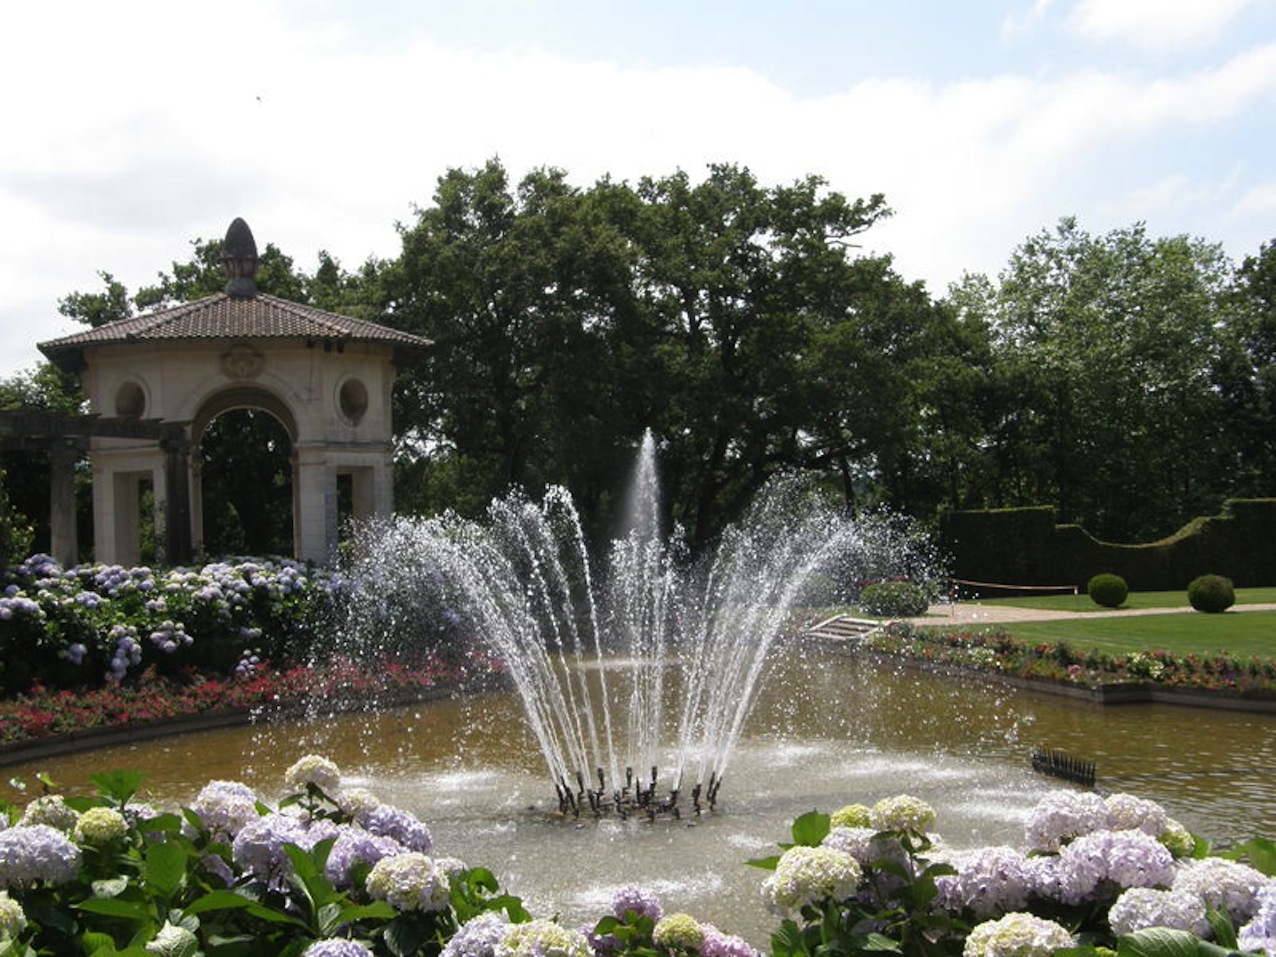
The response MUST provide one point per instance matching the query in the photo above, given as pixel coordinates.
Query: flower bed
(331, 871)
(995, 651)
(102, 646)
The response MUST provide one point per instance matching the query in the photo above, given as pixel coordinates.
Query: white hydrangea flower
(1016, 935)
(356, 801)
(13, 920)
(1177, 839)
(225, 808)
(542, 938)
(1142, 907)
(51, 811)
(851, 815)
(804, 875)
(99, 826)
(173, 941)
(678, 933)
(903, 812)
(314, 769)
(408, 882)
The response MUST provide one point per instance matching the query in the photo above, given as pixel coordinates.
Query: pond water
(827, 730)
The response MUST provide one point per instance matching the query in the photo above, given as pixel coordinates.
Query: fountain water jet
(652, 663)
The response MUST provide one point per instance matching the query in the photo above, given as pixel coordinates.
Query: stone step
(843, 628)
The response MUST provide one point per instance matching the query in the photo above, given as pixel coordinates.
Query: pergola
(154, 383)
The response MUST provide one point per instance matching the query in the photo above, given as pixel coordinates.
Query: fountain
(649, 663)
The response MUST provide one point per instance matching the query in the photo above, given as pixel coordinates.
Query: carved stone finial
(239, 259)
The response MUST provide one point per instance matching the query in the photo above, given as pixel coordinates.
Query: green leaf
(810, 829)
(164, 868)
(1261, 854)
(1164, 942)
(115, 907)
(219, 900)
(403, 937)
(765, 863)
(118, 785)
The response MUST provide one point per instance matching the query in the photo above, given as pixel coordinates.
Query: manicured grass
(1241, 634)
(1146, 599)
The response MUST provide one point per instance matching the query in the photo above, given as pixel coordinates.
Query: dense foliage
(1107, 590)
(744, 324)
(1211, 593)
(332, 871)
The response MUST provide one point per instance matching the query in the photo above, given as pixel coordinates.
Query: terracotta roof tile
(223, 317)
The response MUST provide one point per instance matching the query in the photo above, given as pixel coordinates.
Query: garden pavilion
(156, 382)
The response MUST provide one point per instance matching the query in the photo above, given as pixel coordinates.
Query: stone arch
(242, 397)
(231, 399)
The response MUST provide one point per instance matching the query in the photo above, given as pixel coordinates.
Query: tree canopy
(1124, 378)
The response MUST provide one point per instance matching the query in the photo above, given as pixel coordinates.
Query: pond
(828, 730)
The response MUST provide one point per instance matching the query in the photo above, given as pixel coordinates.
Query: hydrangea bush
(331, 871)
(94, 624)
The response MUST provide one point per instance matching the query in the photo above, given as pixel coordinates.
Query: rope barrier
(1068, 588)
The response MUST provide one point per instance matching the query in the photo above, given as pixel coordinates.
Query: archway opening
(246, 484)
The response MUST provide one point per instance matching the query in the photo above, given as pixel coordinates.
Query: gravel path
(973, 612)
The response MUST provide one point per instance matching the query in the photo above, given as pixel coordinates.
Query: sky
(133, 128)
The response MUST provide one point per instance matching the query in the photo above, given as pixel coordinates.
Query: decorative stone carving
(242, 361)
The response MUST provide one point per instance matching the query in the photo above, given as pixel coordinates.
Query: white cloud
(131, 148)
(1154, 24)
(1259, 200)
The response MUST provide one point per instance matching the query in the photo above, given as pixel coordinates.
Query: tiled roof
(224, 317)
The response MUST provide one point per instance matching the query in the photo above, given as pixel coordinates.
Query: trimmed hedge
(1025, 546)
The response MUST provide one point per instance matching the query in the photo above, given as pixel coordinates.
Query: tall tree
(1106, 347)
(521, 289)
(740, 278)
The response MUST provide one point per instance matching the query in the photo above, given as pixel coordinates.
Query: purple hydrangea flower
(1093, 863)
(718, 944)
(1260, 932)
(259, 847)
(385, 820)
(478, 936)
(356, 846)
(225, 807)
(990, 881)
(641, 902)
(37, 852)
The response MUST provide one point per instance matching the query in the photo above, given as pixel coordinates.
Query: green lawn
(1244, 634)
(1233, 632)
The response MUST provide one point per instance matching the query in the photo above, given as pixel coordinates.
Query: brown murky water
(826, 731)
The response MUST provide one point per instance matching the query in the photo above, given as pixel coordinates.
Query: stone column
(63, 538)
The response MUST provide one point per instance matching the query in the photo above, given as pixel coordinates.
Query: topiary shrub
(1211, 593)
(893, 600)
(1107, 590)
